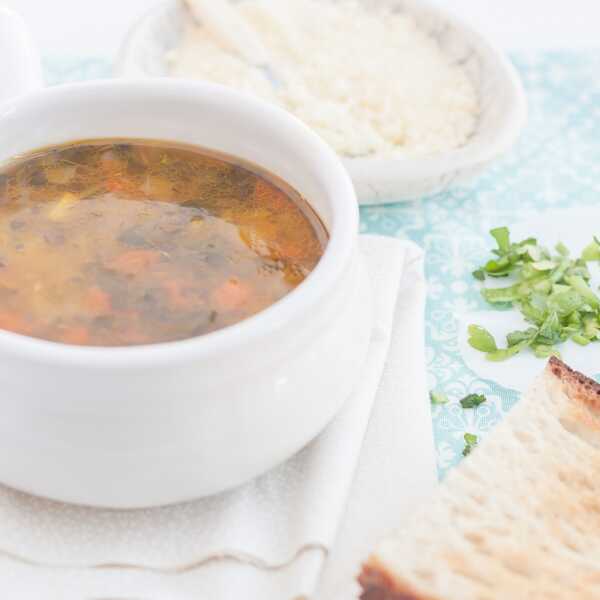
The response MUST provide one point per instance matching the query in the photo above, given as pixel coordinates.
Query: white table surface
(96, 27)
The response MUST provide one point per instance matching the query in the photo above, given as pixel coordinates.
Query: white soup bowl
(164, 423)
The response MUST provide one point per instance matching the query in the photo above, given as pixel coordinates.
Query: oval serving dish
(163, 423)
(382, 180)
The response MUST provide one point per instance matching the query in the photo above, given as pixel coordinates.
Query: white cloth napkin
(269, 539)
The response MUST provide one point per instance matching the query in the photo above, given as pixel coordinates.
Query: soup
(124, 242)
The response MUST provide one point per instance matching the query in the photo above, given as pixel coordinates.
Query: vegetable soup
(125, 242)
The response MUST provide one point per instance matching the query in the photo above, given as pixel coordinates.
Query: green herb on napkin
(438, 398)
(471, 441)
(472, 400)
(551, 290)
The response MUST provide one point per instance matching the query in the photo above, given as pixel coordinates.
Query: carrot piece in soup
(134, 261)
(231, 295)
(97, 301)
(114, 185)
(14, 322)
(78, 335)
(121, 185)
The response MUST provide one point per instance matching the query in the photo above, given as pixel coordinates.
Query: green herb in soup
(114, 243)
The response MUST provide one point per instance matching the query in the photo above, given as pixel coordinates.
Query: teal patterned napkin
(556, 165)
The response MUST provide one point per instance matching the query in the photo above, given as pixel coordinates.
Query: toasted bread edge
(379, 584)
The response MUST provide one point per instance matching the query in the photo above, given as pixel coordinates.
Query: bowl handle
(20, 67)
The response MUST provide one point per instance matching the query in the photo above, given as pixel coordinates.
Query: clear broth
(126, 242)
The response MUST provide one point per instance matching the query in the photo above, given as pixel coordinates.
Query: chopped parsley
(481, 339)
(470, 443)
(550, 289)
(479, 274)
(472, 400)
(438, 398)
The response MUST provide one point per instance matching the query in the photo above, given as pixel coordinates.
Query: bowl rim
(468, 156)
(328, 271)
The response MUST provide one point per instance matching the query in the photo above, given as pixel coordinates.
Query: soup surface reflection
(116, 243)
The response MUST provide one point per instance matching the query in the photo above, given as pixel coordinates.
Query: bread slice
(519, 519)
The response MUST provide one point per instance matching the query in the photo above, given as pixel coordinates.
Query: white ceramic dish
(378, 180)
(157, 424)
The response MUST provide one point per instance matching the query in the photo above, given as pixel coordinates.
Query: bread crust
(378, 583)
(577, 386)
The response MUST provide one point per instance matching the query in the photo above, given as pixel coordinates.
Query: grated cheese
(370, 82)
